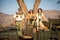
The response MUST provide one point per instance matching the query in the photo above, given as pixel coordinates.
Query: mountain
(8, 20)
(5, 20)
(52, 14)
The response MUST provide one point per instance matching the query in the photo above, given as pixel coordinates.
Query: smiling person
(19, 21)
(38, 25)
(40, 16)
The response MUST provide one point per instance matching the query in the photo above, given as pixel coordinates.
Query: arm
(35, 17)
(14, 19)
(42, 26)
(44, 18)
(14, 16)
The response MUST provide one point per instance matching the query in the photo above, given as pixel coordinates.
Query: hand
(42, 28)
(37, 28)
(34, 30)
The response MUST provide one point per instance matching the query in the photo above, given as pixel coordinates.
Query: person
(38, 25)
(31, 17)
(28, 31)
(19, 21)
(40, 17)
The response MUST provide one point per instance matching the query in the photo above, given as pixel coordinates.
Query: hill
(7, 20)
(53, 14)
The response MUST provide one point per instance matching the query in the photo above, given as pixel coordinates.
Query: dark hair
(40, 9)
(31, 11)
(19, 9)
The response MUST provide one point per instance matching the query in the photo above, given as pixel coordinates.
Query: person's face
(20, 12)
(40, 11)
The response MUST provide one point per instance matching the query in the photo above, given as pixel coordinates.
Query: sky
(11, 6)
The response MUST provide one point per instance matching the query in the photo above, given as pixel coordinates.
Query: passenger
(19, 16)
(31, 17)
(38, 25)
(40, 16)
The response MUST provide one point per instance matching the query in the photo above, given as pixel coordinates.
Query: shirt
(39, 17)
(19, 17)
